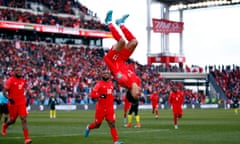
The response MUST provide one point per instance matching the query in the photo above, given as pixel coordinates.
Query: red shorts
(114, 55)
(125, 54)
(17, 110)
(105, 113)
(155, 106)
(177, 110)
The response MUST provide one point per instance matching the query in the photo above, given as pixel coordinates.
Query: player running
(14, 90)
(154, 98)
(176, 100)
(103, 93)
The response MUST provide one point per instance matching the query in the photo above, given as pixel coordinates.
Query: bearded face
(18, 72)
(105, 75)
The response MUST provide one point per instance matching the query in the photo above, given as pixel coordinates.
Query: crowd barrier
(141, 107)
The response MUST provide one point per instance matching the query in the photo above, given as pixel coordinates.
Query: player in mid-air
(117, 56)
(14, 90)
(176, 100)
(103, 94)
(154, 98)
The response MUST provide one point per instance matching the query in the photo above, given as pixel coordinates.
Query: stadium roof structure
(163, 26)
(194, 4)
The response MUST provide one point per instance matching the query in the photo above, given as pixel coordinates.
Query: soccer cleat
(122, 20)
(138, 125)
(176, 126)
(4, 129)
(28, 141)
(86, 132)
(156, 116)
(118, 142)
(128, 125)
(108, 18)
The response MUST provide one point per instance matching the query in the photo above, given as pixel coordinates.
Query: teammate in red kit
(103, 93)
(176, 100)
(126, 108)
(14, 90)
(117, 56)
(154, 98)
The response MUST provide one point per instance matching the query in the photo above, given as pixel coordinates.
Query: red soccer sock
(114, 134)
(91, 126)
(129, 36)
(25, 132)
(156, 112)
(175, 119)
(114, 31)
(124, 115)
(179, 116)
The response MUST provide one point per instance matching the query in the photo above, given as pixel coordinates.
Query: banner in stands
(54, 29)
(66, 107)
(167, 26)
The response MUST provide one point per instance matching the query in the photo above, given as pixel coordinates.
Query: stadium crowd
(228, 79)
(69, 72)
(58, 14)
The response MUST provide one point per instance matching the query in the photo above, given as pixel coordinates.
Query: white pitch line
(66, 135)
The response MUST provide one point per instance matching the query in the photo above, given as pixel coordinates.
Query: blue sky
(211, 35)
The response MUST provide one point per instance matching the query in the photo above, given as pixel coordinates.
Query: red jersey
(103, 91)
(16, 89)
(154, 98)
(123, 73)
(176, 99)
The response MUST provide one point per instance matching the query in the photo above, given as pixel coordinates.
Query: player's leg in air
(132, 41)
(113, 54)
(116, 35)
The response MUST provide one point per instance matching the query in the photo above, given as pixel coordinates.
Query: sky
(210, 36)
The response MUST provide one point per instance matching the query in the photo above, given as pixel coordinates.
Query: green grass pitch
(199, 126)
